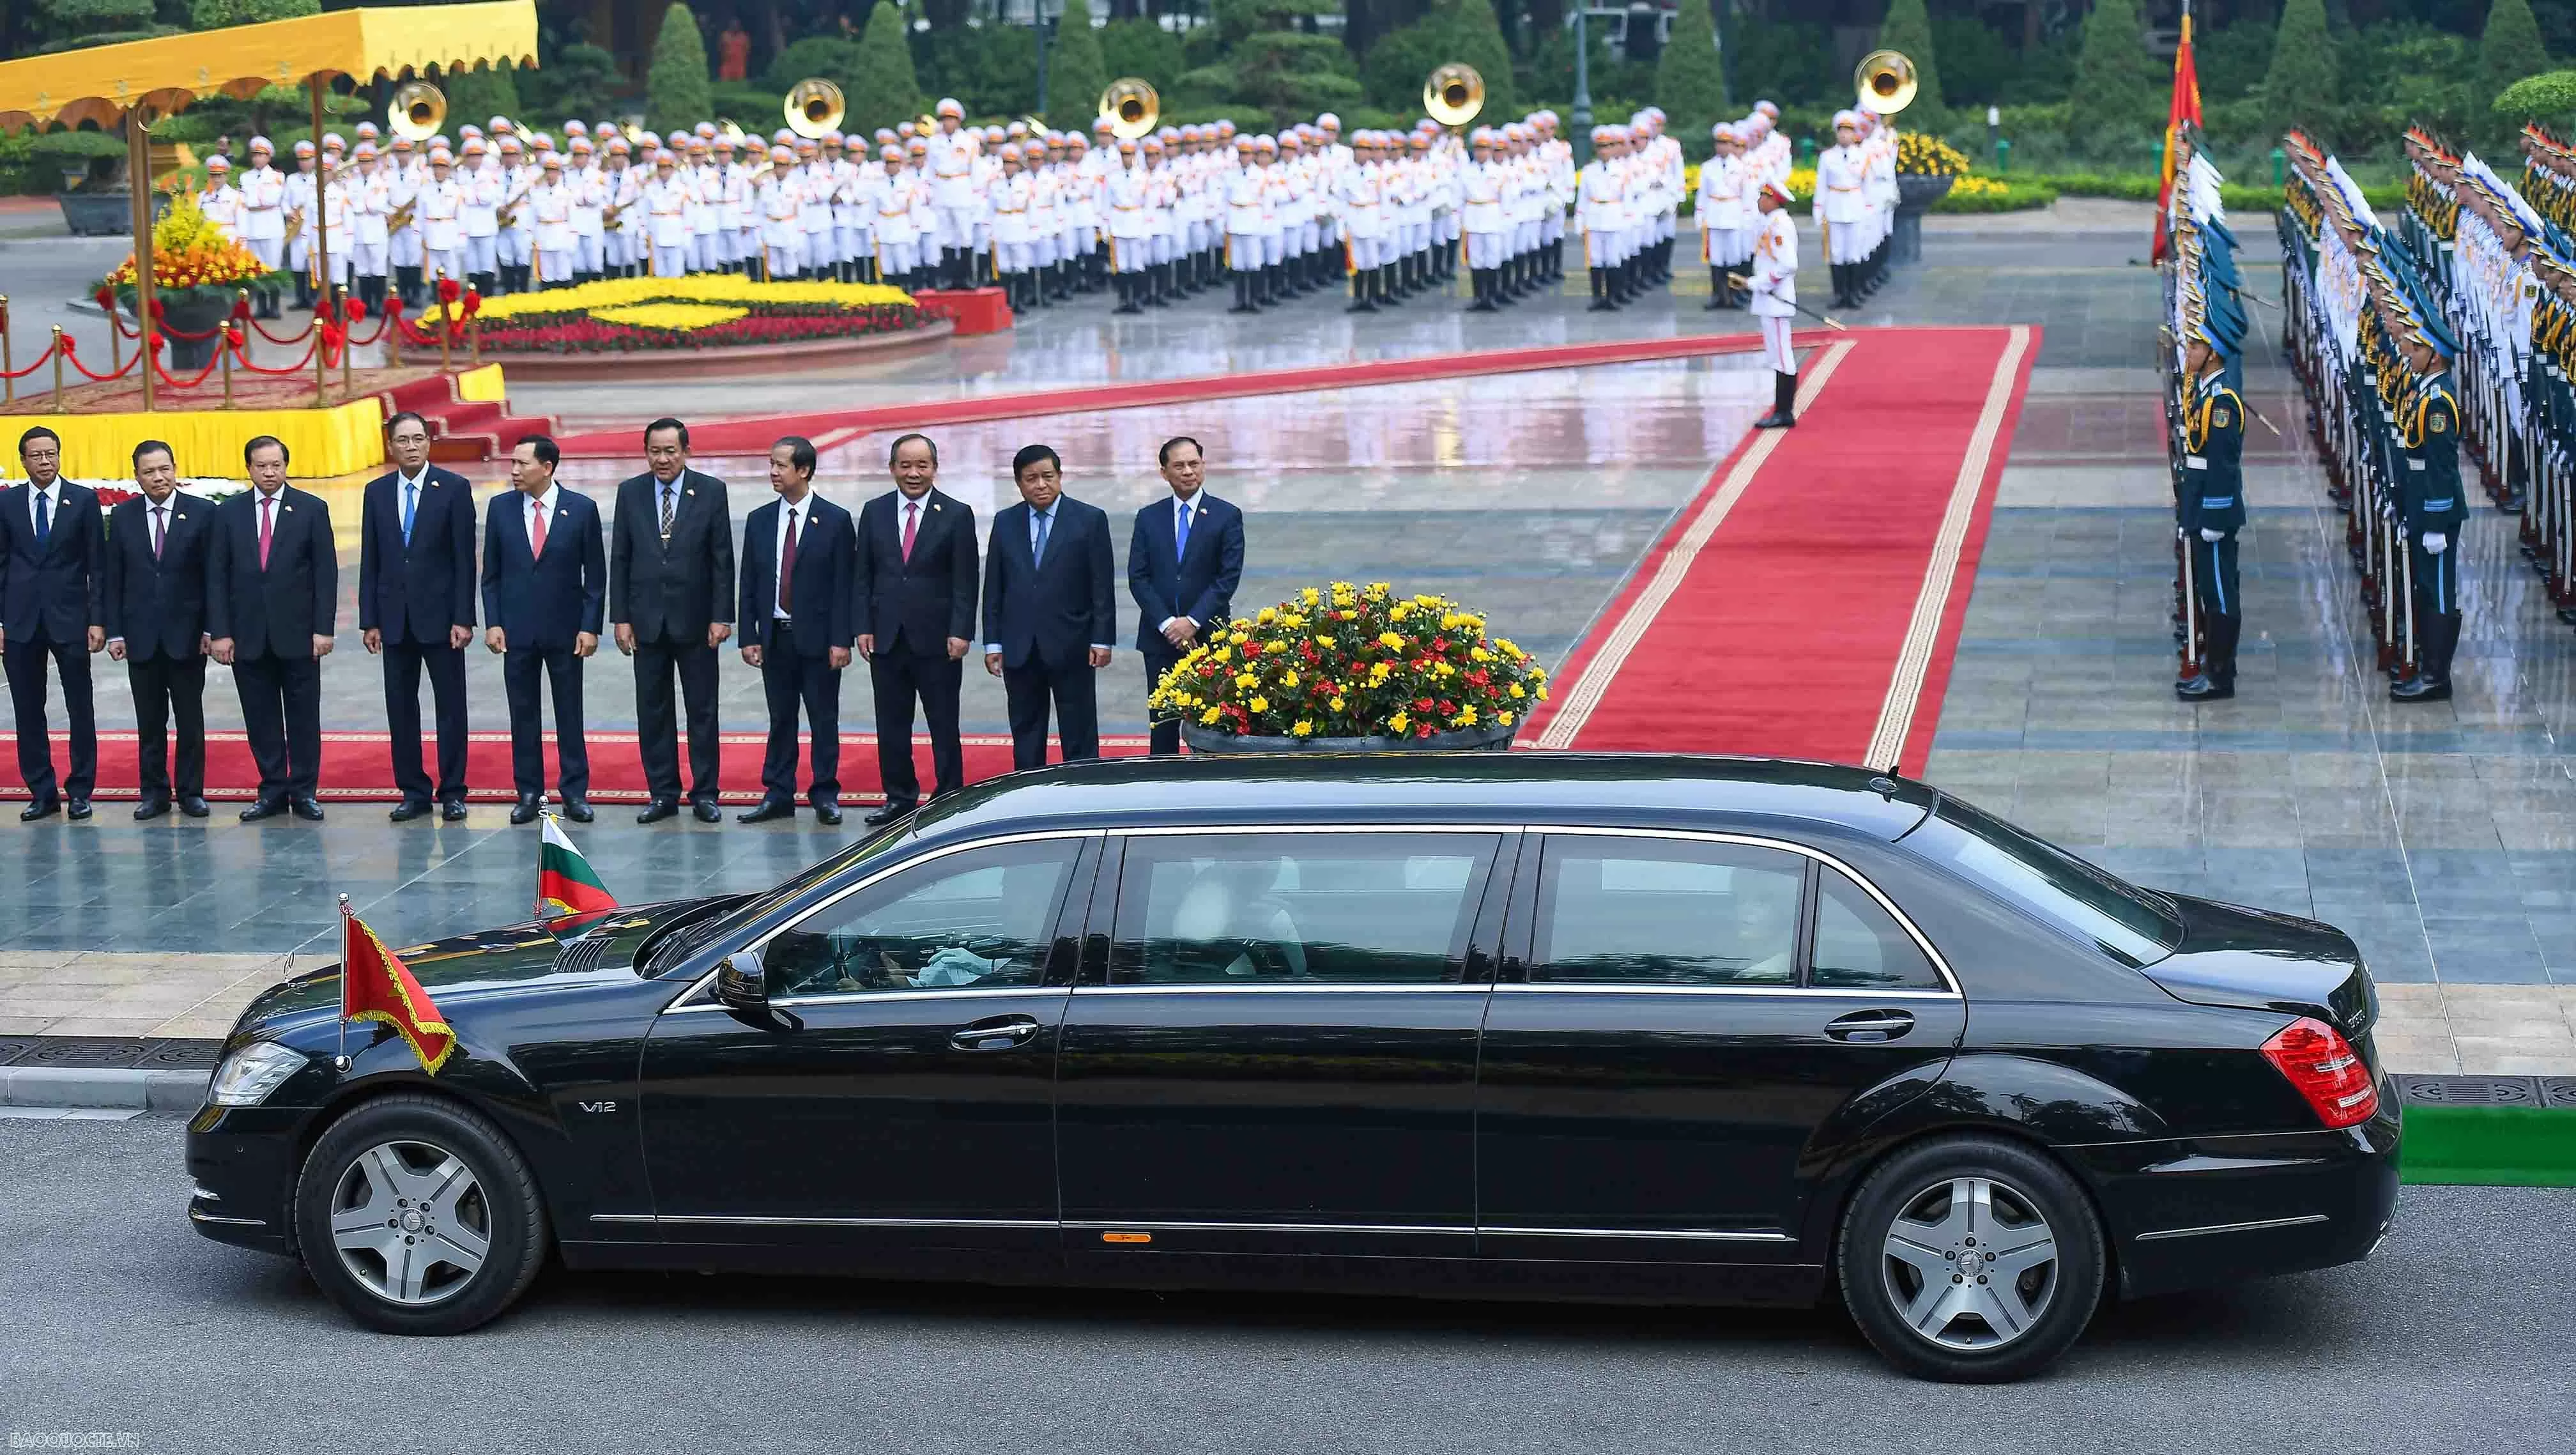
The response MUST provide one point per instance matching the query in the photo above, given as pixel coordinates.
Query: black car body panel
(1486, 1133)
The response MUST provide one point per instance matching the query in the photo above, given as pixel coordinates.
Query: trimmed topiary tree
(1478, 35)
(1076, 75)
(2113, 72)
(2301, 88)
(677, 92)
(884, 90)
(1690, 81)
(2549, 99)
(1140, 47)
(2509, 50)
(1908, 28)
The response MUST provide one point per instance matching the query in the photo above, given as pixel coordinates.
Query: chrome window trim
(2262, 1225)
(1446, 1230)
(1795, 992)
(752, 1220)
(1940, 965)
(1695, 1235)
(695, 997)
(1165, 831)
(1153, 1225)
(1369, 987)
(952, 992)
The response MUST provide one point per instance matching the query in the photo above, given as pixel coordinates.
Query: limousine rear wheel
(1971, 1259)
(417, 1216)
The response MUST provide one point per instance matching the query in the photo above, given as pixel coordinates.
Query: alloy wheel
(1970, 1264)
(410, 1223)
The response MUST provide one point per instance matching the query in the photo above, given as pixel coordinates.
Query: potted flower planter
(1915, 194)
(200, 314)
(1488, 739)
(105, 214)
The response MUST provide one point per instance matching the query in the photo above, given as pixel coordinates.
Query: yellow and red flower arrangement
(1348, 661)
(190, 258)
(631, 315)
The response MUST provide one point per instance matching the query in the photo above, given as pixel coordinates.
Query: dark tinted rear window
(2131, 924)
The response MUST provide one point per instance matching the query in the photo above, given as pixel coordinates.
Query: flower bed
(635, 315)
(1348, 661)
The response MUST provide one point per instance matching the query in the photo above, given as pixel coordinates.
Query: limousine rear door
(1279, 1053)
(1680, 1018)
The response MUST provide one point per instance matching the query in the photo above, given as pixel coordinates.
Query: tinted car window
(2092, 904)
(1860, 946)
(1245, 909)
(1667, 912)
(970, 919)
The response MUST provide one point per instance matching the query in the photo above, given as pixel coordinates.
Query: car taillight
(2325, 1069)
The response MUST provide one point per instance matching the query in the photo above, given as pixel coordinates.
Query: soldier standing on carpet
(1774, 289)
(2212, 505)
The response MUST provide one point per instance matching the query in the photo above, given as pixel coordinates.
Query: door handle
(1001, 1033)
(1870, 1026)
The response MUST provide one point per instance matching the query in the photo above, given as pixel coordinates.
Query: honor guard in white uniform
(668, 201)
(1723, 209)
(1363, 219)
(1486, 222)
(405, 171)
(898, 240)
(480, 216)
(439, 205)
(1014, 198)
(371, 205)
(952, 152)
(1124, 192)
(549, 211)
(1841, 209)
(778, 196)
(1245, 200)
(220, 200)
(297, 195)
(589, 188)
(1600, 210)
(623, 241)
(1774, 285)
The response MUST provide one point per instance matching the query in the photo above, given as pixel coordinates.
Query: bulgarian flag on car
(566, 884)
(376, 986)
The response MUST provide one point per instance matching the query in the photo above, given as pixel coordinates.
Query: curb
(169, 1093)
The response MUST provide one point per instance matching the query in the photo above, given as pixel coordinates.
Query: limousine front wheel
(1971, 1259)
(417, 1216)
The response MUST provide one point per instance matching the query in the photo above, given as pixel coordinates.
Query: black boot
(1126, 284)
(1243, 294)
(1601, 292)
(1480, 284)
(1784, 403)
(1360, 288)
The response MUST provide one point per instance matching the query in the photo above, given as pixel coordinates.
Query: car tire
(1970, 1260)
(463, 1228)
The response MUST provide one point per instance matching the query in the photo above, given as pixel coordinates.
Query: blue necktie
(1183, 547)
(411, 494)
(1039, 522)
(44, 520)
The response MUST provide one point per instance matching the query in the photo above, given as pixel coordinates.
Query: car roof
(1612, 789)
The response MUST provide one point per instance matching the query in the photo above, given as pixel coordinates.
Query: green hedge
(2020, 195)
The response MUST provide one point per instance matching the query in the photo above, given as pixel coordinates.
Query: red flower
(1422, 704)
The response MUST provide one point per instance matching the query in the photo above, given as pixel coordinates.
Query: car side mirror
(742, 988)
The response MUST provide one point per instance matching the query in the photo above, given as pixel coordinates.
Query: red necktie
(787, 567)
(537, 533)
(266, 502)
(911, 519)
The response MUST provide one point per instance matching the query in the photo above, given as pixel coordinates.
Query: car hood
(531, 958)
(2258, 960)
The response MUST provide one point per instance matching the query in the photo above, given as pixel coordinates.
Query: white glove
(2436, 542)
(2211, 536)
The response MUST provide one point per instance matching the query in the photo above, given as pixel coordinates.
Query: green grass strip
(2490, 1146)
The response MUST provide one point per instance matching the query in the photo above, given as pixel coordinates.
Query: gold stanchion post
(224, 346)
(8, 386)
(438, 284)
(346, 348)
(58, 368)
(138, 162)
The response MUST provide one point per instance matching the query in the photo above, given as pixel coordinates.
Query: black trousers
(404, 662)
(657, 735)
(901, 678)
(25, 659)
(2437, 606)
(1165, 733)
(788, 678)
(167, 688)
(2222, 611)
(1029, 689)
(520, 667)
(281, 700)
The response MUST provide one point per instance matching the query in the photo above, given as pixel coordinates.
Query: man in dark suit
(670, 597)
(156, 620)
(799, 593)
(1183, 563)
(916, 620)
(416, 608)
(272, 604)
(50, 575)
(1050, 610)
(545, 586)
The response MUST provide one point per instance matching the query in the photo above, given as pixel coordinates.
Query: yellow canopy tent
(150, 79)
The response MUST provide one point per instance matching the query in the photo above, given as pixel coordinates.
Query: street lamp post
(1037, 21)
(1582, 137)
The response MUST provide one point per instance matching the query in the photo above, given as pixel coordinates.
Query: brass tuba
(813, 107)
(1886, 82)
(1453, 94)
(1131, 106)
(417, 110)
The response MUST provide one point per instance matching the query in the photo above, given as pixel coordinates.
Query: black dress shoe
(578, 810)
(708, 812)
(769, 809)
(827, 814)
(452, 811)
(195, 806)
(658, 810)
(525, 810)
(886, 815)
(77, 808)
(151, 808)
(2202, 689)
(409, 809)
(264, 808)
(308, 809)
(42, 808)
(2421, 689)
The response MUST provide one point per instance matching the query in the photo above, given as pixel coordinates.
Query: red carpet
(357, 765)
(753, 436)
(1807, 603)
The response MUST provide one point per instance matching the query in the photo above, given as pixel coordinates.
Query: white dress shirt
(551, 500)
(798, 513)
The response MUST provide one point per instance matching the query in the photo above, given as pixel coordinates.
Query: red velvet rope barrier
(211, 365)
(73, 356)
(297, 367)
(41, 360)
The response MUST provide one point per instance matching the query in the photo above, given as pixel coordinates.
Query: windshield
(2134, 925)
(760, 904)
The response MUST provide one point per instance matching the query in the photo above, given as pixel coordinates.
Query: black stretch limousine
(1547, 1025)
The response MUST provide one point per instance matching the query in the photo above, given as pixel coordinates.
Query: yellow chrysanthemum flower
(1245, 679)
(1390, 641)
(1290, 680)
(1517, 692)
(1208, 718)
(1466, 716)
(1504, 718)
(1398, 723)
(1324, 642)
(1259, 704)
(1336, 704)
(1268, 615)
(1302, 728)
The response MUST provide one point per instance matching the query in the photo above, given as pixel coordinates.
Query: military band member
(479, 214)
(405, 172)
(440, 206)
(220, 201)
(1725, 238)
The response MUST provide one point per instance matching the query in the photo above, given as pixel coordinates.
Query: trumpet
(294, 221)
(1886, 82)
(1453, 94)
(508, 216)
(1132, 107)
